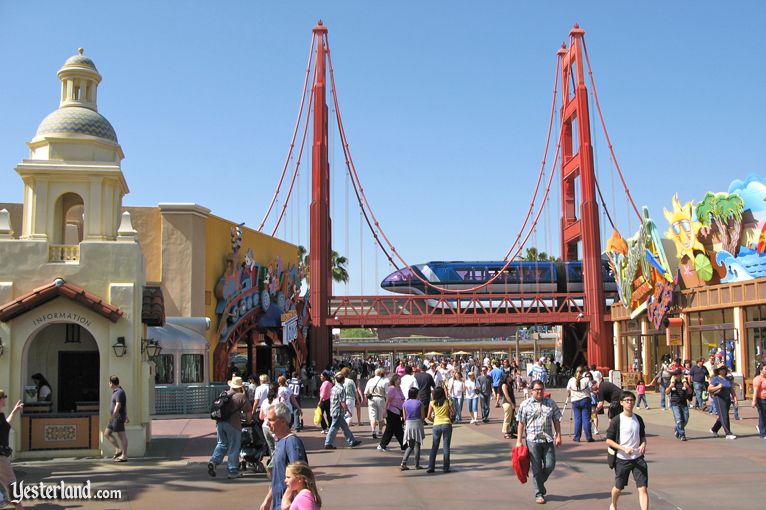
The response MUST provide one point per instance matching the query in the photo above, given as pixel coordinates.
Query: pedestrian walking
(456, 389)
(289, 449)
(641, 392)
(680, 393)
(375, 393)
(7, 476)
(699, 375)
(722, 390)
(228, 430)
(484, 385)
(413, 428)
(440, 412)
(578, 389)
(394, 425)
(118, 417)
(325, 390)
(663, 380)
(338, 414)
(540, 426)
(626, 436)
(759, 400)
(608, 392)
(472, 397)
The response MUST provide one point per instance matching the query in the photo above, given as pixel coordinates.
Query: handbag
(318, 416)
(520, 462)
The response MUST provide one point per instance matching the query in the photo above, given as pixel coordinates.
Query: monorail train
(525, 277)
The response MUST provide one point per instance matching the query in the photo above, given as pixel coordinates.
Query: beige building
(71, 284)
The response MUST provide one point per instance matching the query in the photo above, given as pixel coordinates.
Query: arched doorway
(67, 355)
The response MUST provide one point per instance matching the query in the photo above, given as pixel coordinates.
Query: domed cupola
(76, 118)
(73, 180)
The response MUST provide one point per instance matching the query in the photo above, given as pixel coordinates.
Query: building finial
(80, 50)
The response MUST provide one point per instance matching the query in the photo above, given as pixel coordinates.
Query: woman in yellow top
(439, 413)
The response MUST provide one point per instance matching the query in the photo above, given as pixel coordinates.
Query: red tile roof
(58, 287)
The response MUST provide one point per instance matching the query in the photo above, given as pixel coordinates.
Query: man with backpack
(227, 411)
(626, 438)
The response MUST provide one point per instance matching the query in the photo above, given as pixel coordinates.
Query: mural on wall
(641, 270)
(253, 297)
(723, 238)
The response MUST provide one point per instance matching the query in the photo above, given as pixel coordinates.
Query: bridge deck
(456, 309)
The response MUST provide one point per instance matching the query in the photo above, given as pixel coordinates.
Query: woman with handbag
(440, 411)
(324, 399)
(7, 477)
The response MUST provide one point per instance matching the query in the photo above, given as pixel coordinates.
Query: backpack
(221, 408)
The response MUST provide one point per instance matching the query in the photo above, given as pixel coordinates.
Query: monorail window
(192, 368)
(164, 364)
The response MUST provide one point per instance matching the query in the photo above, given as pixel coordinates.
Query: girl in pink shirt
(641, 391)
(300, 488)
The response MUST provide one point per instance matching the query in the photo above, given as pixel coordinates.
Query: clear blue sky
(445, 105)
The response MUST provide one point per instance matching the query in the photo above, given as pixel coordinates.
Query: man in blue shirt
(289, 448)
(538, 372)
(497, 379)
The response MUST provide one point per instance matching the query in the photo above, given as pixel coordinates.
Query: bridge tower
(580, 229)
(320, 238)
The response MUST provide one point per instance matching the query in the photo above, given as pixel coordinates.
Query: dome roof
(80, 61)
(77, 120)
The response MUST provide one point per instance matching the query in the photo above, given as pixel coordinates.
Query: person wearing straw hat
(7, 477)
(229, 430)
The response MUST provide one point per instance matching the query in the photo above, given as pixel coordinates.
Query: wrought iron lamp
(151, 346)
(119, 347)
(2, 347)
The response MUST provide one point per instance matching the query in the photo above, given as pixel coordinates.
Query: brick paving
(690, 475)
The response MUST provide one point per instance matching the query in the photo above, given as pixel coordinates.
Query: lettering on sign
(62, 316)
(290, 329)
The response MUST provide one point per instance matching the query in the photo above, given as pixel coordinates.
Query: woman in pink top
(759, 400)
(394, 416)
(300, 488)
(324, 399)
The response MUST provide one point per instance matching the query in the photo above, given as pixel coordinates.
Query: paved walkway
(690, 475)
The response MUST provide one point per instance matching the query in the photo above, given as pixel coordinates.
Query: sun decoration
(683, 230)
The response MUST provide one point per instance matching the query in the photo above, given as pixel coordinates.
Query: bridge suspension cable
(378, 231)
(606, 135)
(295, 134)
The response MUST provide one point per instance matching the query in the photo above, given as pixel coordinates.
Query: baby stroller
(253, 448)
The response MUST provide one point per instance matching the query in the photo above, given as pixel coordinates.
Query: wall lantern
(119, 347)
(151, 347)
(2, 347)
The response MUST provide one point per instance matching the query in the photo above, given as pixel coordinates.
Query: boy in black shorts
(626, 435)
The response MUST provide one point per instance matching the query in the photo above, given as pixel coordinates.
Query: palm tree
(532, 254)
(725, 211)
(338, 265)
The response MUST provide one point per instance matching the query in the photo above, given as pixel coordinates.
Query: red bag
(520, 461)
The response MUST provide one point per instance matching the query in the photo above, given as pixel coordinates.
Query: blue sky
(445, 105)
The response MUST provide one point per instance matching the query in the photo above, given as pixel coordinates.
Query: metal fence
(185, 399)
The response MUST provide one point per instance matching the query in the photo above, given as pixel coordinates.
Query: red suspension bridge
(587, 324)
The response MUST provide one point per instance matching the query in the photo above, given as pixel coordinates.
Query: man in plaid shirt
(538, 417)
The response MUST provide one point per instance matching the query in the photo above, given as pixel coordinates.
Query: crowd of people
(408, 400)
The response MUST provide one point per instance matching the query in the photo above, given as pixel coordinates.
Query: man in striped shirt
(538, 417)
(538, 372)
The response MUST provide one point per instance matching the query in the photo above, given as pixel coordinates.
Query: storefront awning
(58, 287)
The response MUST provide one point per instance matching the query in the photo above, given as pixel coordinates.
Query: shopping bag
(318, 416)
(520, 461)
